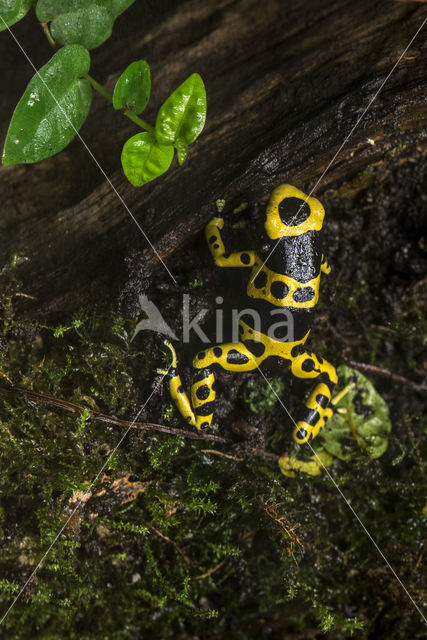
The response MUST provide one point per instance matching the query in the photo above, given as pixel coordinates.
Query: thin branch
(224, 455)
(383, 373)
(42, 398)
(162, 535)
(31, 397)
(209, 573)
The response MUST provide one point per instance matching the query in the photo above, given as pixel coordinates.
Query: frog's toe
(285, 465)
(171, 348)
(162, 372)
(312, 466)
(302, 432)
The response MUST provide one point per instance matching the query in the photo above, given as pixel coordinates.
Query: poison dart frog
(288, 280)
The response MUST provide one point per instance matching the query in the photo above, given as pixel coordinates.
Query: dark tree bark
(286, 82)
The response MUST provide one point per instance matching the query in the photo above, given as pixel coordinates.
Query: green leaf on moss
(182, 116)
(12, 11)
(54, 106)
(144, 159)
(362, 417)
(132, 90)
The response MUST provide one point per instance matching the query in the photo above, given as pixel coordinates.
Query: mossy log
(286, 82)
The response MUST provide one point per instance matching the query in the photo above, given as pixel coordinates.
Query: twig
(224, 455)
(33, 396)
(266, 454)
(102, 417)
(24, 295)
(211, 571)
(271, 509)
(383, 373)
(162, 535)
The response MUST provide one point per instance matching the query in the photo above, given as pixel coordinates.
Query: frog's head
(291, 213)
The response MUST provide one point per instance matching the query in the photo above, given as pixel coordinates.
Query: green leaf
(53, 108)
(262, 398)
(181, 152)
(144, 159)
(182, 116)
(11, 11)
(132, 90)
(85, 22)
(362, 419)
(118, 6)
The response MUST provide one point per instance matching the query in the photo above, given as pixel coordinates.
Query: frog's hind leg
(176, 389)
(203, 395)
(231, 356)
(308, 366)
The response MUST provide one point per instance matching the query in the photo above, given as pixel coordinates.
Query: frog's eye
(293, 211)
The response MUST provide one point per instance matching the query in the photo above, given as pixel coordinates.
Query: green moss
(261, 397)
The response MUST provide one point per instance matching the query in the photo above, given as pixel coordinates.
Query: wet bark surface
(285, 86)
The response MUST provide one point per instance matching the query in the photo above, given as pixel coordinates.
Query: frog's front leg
(308, 366)
(217, 249)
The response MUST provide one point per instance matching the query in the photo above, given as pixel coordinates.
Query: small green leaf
(85, 22)
(118, 6)
(132, 90)
(12, 11)
(362, 419)
(144, 159)
(182, 116)
(53, 108)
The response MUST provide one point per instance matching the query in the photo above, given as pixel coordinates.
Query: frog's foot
(339, 396)
(4, 378)
(290, 465)
(172, 369)
(176, 388)
(316, 420)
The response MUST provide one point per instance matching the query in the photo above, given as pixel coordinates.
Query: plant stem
(139, 121)
(99, 88)
(48, 35)
(109, 96)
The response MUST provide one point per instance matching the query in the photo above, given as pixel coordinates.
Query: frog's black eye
(301, 434)
(293, 211)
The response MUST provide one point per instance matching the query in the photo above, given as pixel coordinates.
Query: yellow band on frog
(274, 226)
(272, 347)
(270, 283)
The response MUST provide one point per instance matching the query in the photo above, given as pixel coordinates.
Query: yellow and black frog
(285, 282)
